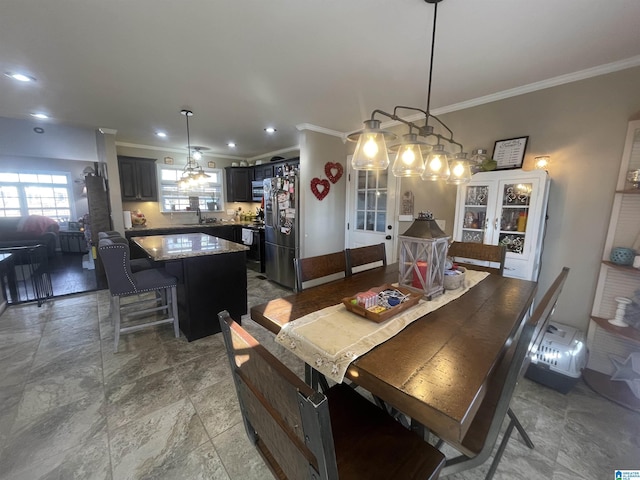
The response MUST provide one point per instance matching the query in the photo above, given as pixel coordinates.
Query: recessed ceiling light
(41, 116)
(161, 134)
(21, 77)
(231, 144)
(270, 130)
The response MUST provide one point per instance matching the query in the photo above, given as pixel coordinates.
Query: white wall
(322, 222)
(17, 138)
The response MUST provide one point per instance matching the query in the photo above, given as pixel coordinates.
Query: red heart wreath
(325, 186)
(329, 168)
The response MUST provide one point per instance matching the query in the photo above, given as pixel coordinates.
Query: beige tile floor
(164, 408)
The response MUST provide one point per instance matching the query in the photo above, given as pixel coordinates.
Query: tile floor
(164, 408)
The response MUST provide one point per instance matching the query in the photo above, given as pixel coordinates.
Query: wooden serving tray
(413, 299)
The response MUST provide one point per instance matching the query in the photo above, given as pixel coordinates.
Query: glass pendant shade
(542, 162)
(371, 149)
(460, 172)
(436, 166)
(409, 161)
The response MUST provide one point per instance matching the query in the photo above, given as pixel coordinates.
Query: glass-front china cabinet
(506, 207)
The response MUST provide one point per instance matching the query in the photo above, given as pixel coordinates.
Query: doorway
(372, 210)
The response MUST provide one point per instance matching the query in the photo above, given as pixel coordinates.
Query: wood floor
(67, 275)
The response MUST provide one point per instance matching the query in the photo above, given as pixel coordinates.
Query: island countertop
(185, 245)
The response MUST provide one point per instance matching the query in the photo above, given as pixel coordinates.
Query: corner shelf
(622, 268)
(626, 332)
(604, 340)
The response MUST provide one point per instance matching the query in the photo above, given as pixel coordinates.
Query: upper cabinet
(138, 179)
(239, 183)
(260, 172)
(618, 282)
(505, 208)
(239, 178)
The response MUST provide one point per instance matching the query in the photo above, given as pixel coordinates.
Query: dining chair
(322, 268)
(478, 443)
(123, 282)
(461, 252)
(364, 258)
(305, 434)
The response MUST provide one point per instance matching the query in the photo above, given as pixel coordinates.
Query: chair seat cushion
(153, 278)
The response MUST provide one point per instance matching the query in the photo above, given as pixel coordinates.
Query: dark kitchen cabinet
(138, 179)
(260, 172)
(239, 183)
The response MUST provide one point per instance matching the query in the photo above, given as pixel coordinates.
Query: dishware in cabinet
(507, 208)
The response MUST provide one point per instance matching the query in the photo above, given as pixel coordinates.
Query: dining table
(437, 368)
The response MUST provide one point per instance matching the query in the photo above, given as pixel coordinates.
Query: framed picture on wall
(168, 161)
(509, 153)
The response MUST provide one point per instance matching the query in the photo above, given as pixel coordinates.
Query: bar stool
(124, 283)
(137, 264)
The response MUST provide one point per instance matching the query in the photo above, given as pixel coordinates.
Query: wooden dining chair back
(364, 258)
(322, 268)
(304, 434)
(477, 445)
(478, 255)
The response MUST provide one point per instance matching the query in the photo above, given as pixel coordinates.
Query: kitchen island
(211, 275)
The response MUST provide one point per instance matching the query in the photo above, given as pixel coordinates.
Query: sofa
(29, 231)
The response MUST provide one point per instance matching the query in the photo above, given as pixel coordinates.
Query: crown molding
(529, 88)
(316, 128)
(275, 152)
(177, 150)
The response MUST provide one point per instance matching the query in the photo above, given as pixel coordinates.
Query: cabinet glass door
(474, 220)
(515, 200)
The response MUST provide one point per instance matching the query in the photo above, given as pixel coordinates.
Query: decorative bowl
(622, 255)
(452, 282)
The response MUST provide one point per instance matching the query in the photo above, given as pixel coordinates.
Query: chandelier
(192, 175)
(414, 158)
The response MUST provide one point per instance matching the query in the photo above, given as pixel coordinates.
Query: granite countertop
(186, 245)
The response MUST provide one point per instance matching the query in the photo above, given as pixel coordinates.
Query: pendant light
(192, 175)
(436, 166)
(409, 161)
(371, 149)
(371, 154)
(459, 170)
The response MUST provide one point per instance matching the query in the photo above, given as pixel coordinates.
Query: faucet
(199, 213)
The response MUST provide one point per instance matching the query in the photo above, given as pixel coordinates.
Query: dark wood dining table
(435, 370)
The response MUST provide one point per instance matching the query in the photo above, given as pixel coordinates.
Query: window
(371, 214)
(174, 199)
(46, 194)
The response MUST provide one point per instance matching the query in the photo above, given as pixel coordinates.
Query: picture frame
(509, 153)
(211, 164)
(168, 161)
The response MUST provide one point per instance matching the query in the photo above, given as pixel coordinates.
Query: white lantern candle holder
(423, 253)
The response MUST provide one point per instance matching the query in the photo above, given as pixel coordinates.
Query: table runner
(331, 338)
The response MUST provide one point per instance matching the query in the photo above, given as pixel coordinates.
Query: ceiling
(241, 66)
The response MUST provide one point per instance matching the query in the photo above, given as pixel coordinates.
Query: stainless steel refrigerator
(281, 233)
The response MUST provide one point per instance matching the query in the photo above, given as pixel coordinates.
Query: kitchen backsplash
(155, 218)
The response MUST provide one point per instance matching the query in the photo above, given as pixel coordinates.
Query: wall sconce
(542, 162)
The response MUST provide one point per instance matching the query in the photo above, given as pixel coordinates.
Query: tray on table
(413, 299)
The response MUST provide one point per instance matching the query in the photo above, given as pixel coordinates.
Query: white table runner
(331, 338)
